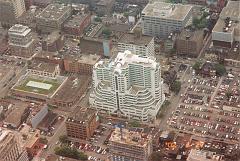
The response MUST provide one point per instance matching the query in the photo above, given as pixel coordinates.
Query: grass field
(26, 88)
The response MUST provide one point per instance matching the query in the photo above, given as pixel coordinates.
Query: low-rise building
(76, 25)
(82, 123)
(53, 42)
(104, 7)
(130, 145)
(41, 68)
(199, 155)
(189, 43)
(227, 29)
(82, 64)
(17, 116)
(72, 90)
(53, 17)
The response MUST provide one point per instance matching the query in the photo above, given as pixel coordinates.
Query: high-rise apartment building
(20, 40)
(10, 149)
(126, 145)
(10, 10)
(128, 85)
(137, 43)
(159, 19)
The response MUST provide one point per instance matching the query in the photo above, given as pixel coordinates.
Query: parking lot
(209, 109)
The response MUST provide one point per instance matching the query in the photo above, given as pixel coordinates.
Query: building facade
(128, 85)
(83, 64)
(77, 24)
(227, 28)
(10, 10)
(52, 17)
(10, 149)
(137, 43)
(189, 43)
(126, 145)
(159, 19)
(44, 69)
(82, 124)
(20, 40)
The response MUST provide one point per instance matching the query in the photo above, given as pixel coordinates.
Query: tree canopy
(70, 153)
(106, 32)
(220, 69)
(176, 87)
(63, 139)
(156, 156)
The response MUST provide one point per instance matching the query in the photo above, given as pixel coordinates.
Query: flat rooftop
(42, 66)
(130, 38)
(83, 58)
(54, 11)
(123, 59)
(72, 88)
(15, 115)
(231, 10)
(167, 10)
(75, 21)
(81, 115)
(125, 136)
(39, 85)
(19, 29)
(190, 35)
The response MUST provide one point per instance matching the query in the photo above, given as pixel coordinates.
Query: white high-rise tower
(129, 85)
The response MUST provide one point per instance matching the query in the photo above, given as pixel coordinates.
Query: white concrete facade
(128, 85)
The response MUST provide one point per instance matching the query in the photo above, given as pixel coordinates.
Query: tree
(70, 152)
(176, 87)
(197, 65)
(63, 139)
(156, 156)
(43, 140)
(106, 32)
(135, 124)
(97, 19)
(220, 69)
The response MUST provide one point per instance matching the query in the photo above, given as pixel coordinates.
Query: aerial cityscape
(120, 80)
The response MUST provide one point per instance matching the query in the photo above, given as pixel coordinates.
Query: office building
(189, 43)
(137, 43)
(76, 25)
(82, 64)
(10, 149)
(130, 145)
(128, 85)
(82, 123)
(20, 40)
(159, 19)
(10, 10)
(53, 17)
(227, 28)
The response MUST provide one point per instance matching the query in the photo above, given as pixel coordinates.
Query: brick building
(82, 64)
(77, 24)
(189, 43)
(82, 123)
